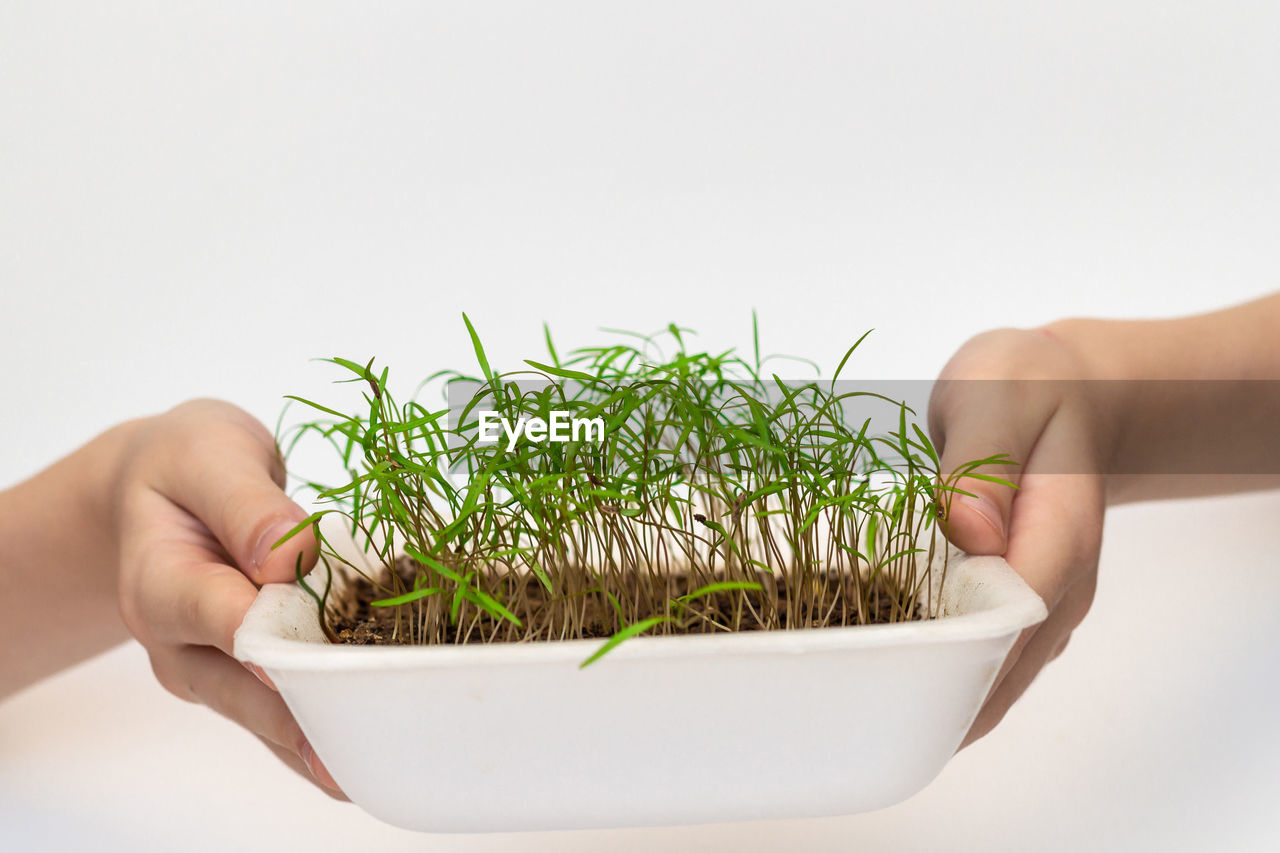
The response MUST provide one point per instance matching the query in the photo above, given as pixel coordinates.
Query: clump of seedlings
(714, 497)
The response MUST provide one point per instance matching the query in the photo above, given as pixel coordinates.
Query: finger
(316, 767)
(972, 419)
(294, 763)
(1060, 648)
(205, 675)
(199, 604)
(224, 468)
(174, 585)
(1044, 645)
(1056, 521)
(1057, 534)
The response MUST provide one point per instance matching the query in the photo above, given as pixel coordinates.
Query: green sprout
(719, 498)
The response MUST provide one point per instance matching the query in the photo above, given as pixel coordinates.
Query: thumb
(231, 478)
(973, 420)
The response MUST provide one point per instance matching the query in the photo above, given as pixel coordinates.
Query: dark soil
(355, 622)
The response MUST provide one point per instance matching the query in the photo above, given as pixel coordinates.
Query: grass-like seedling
(719, 498)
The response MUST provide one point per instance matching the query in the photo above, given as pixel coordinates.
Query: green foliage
(719, 499)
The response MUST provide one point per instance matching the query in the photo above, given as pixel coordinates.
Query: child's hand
(197, 507)
(1050, 529)
(1131, 410)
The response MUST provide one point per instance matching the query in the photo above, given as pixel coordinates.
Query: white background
(198, 198)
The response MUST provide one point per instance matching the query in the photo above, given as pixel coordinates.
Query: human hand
(198, 505)
(1036, 409)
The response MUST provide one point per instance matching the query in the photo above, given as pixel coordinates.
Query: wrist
(1101, 362)
(1178, 413)
(113, 455)
(62, 544)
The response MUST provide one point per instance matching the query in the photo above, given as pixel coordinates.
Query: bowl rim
(281, 632)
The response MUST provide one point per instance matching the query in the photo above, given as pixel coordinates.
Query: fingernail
(985, 507)
(316, 767)
(262, 550)
(262, 675)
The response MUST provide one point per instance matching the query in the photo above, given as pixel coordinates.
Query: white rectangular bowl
(662, 730)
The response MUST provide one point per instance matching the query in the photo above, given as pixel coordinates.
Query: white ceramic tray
(662, 730)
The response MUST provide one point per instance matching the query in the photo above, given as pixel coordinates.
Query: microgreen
(720, 498)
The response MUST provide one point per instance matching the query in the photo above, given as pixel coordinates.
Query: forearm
(58, 564)
(1187, 406)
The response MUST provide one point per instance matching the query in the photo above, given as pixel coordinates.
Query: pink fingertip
(986, 507)
(316, 767)
(262, 550)
(261, 674)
